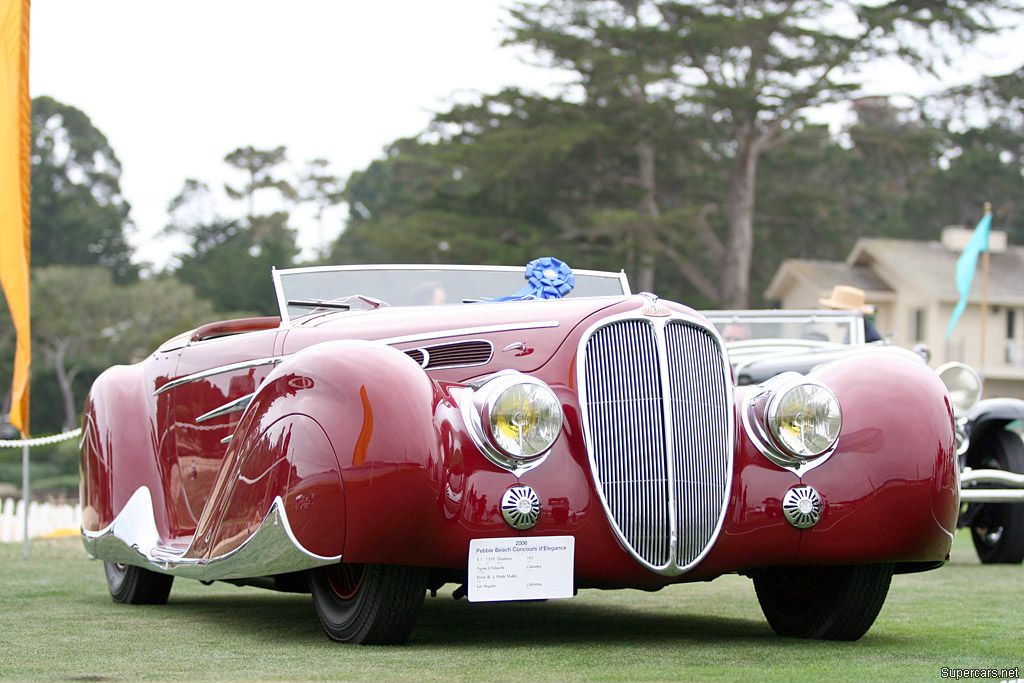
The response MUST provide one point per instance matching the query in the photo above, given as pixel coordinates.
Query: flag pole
(984, 295)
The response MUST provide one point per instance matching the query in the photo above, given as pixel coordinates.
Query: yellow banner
(15, 148)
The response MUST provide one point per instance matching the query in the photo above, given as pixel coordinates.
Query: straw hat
(847, 298)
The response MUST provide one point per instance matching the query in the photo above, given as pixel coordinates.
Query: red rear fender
(119, 448)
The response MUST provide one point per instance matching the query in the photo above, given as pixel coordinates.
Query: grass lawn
(58, 623)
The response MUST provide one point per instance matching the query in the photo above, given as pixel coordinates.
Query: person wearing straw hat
(847, 298)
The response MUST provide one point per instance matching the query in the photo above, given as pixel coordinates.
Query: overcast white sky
(177, 85)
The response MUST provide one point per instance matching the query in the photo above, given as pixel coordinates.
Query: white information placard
(535, 568)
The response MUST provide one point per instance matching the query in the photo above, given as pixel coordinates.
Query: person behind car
(428, 293)
(847, 298)
(734, 332)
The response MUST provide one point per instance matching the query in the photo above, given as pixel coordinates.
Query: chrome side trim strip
(236, 406)
(438, 334)
(460, 331)
(242, 365)
(132, 538)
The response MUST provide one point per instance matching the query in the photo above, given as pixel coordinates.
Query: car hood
(540, 325)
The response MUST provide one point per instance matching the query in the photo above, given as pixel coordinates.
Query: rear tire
(137, 586)
(372, 604)
(998, 528)
(826, 603)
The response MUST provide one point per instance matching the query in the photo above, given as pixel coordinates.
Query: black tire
(825, 603)
(372, 604)
(137, 586)
(997, 529)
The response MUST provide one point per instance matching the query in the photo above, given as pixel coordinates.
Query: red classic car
(521, 449)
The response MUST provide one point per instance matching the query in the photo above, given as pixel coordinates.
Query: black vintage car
(766, 343)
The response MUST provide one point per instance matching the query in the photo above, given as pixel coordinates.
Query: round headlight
(805, 420)
(514, 419)
(525, 420)
(962, 383)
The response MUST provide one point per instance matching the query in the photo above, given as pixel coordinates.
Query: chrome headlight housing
(963, 385)
(805, 419)
(514, 419)
(794, 421)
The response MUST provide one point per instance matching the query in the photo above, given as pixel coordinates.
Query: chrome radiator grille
(657, 412)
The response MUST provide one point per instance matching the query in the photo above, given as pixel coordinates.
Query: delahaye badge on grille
(657, 311)
(654, 310)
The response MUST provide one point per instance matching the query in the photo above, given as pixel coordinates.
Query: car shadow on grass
(444, 621)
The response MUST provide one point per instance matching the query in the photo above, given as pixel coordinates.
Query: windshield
(301, 290)
(836, 327)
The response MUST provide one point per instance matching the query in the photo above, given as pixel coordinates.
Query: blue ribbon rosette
(546, 278)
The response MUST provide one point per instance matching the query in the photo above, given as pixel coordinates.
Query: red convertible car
(571, 435)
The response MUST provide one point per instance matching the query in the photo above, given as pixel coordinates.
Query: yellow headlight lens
(525, 420)
(805, 420)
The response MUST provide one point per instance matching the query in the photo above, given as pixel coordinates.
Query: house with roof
(912, 286)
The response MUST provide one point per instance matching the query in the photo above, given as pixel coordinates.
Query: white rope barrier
(42, 440)
(25, 445)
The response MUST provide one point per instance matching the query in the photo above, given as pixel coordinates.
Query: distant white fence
(44, 519)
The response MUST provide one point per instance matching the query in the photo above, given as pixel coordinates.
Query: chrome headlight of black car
(794, 420)
(963, 385)
(514, 419)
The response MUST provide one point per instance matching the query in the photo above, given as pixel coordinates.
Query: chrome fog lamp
(514, 419)
(962, 383)
(804, 419)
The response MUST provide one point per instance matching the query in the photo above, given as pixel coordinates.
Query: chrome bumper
(132, 538)
(1014, 493)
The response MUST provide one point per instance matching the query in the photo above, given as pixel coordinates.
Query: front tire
(371, 604)
(998, 528)
(825, 603)
(137, 586)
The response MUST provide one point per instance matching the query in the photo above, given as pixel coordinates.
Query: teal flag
(965, 266)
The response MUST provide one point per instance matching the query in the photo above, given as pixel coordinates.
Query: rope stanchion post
(24, 498)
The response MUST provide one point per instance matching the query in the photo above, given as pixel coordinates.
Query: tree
(752, 67)
(981, 154)
(321, 188)
(82, 322)
(230, 259)
(624, 61)
(259, 166)
(79, 216)
(514, 176)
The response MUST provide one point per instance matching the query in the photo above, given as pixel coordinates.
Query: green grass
(57, 622)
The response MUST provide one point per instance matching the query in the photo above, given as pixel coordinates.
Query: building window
(919, 325)
(1014, 348)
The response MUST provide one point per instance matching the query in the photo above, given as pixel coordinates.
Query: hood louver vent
(457, 354)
